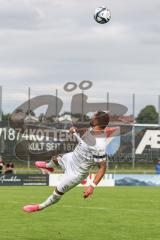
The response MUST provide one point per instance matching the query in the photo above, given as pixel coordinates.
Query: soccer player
(91, 149)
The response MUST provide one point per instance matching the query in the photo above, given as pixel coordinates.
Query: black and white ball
(102, 15)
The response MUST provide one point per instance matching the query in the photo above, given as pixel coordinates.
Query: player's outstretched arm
(81, 131)
(102, 170)
(74, 131)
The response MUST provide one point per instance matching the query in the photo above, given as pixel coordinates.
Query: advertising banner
(24, 180)
(108, 180)
(137, 180)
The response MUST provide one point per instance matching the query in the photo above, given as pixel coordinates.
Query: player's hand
(88, 192)
(72, 130)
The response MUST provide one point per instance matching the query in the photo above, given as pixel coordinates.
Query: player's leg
(52, 199)
(49, 167)
(64, 185)
(62, 160)
(68, 181)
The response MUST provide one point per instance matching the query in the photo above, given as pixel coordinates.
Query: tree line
(148, 115)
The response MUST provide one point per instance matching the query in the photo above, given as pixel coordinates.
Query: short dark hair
(102, 118)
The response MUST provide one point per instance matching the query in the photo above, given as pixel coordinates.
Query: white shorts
(71, 176)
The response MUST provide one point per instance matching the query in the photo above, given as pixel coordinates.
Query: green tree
(6, 116)
(148, 115)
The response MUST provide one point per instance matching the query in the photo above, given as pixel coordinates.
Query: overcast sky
(46, 43)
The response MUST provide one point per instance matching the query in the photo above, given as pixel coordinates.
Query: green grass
(120, 213)
(131, 170)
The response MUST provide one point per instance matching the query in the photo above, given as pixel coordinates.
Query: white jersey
(85, 156)
(76, 164)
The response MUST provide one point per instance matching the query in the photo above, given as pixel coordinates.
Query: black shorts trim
(99, 157)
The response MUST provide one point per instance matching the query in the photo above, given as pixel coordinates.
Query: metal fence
(39, 112)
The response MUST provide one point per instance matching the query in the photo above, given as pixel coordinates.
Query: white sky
(46, 43)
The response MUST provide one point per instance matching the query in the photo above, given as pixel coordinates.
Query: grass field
(120, 213)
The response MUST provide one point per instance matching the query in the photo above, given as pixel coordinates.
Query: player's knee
(55, 197)
(57, 192)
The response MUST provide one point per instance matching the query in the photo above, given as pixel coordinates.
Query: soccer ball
(102, 15)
